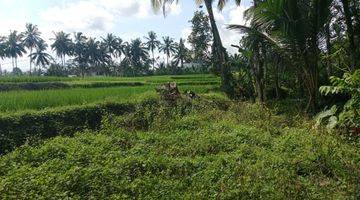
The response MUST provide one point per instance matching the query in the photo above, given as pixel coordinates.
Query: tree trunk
(350, 33)
(167, 60)
(12, 63)
(258, 69)
(328, 50)
(219, 53)
(152, 51)
(277, 85)
(30, 61)
(258, 73)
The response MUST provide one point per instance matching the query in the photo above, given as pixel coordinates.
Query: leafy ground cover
(210, 148)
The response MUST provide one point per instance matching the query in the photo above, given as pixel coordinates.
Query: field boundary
(33, 126)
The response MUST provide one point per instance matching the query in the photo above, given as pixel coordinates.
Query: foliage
(200, 38)
(33, 127)
(185, 152)
(349, 117)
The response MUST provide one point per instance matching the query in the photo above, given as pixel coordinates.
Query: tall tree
(168, 48)
(353, 48)
(110, 43)
(15, 47)
(200, 37)
(138, 55)
(152, 43)
(79, 51)
(181, 53)
(41, 58)
(219, 52)
(3, 52)
(295, 27)
(31, 39)
(62, 45)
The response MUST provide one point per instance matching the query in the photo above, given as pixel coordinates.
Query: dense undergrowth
(208, 148)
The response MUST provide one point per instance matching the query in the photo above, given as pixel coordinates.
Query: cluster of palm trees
(88, 54)
(310, 39)
(17, 44)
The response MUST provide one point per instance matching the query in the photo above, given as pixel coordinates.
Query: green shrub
(346, 118)
(201, 152)
(26, 127)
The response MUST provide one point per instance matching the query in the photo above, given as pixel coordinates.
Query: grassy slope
(199, 151)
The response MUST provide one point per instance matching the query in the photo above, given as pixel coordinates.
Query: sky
(128, 19)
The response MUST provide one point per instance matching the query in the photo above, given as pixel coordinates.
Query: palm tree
(15, 47)
(62, 45)
(40, 57)
(219, 51)
(79, 50)
(152, 43)
(294, 28)
(120, 49)
(168, 48)
(350, 32)
(31, 39)
(3, 52)
(95, 53)
(138, 54)
(110, 42)
(181, 53)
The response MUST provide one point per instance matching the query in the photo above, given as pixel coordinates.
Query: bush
(200, 152)
(346, 117)
(30, 127)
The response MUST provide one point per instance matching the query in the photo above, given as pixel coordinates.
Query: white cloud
(92, 16)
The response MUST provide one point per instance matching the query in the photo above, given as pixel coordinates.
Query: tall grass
(153, 79)
(36, 100)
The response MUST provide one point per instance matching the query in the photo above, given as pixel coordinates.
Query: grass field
(40, 99)
(150, 79)
(207, 148)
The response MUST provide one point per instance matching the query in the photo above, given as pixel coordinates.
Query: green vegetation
(73, 91)
(120, 128)
(233, 150)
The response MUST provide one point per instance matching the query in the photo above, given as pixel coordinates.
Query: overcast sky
(127, 19)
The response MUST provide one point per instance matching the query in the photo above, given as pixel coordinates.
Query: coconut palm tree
(294, 28)
(219, 52)
(95, 53)
(79, 50)
(168, 48)
(181, 53)
(15, 47)
(3, 53)
(31, 39)
(62, 45)
(110, 43)
(40, 57)
(138, 54)
(120, 49)
(152, 43)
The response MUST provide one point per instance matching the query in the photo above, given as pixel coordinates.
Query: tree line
(290, 47)
(110, 55)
